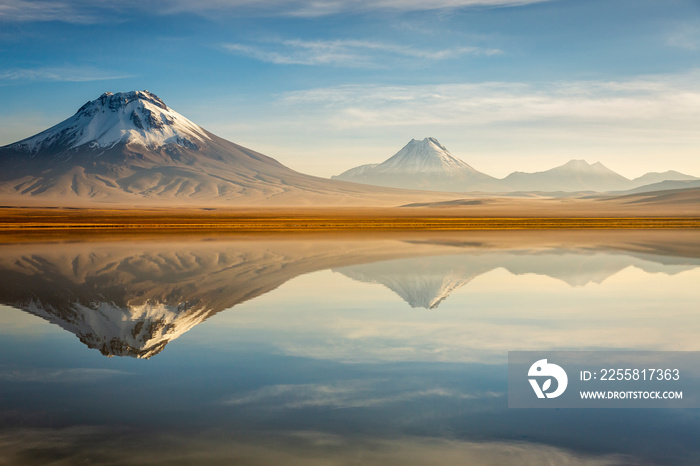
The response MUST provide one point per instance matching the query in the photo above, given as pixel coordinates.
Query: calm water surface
(333, 349)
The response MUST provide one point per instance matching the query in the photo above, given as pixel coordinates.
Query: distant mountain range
(427, 164)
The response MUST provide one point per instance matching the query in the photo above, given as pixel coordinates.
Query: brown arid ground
(677, 209)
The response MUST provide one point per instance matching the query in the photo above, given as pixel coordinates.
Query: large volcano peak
(135, 117)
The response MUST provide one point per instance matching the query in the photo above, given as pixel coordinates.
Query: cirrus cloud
(92, 11)
(348, 394)
(641, 102)
(59, 74)
(352, 53)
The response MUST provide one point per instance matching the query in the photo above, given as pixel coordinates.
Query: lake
(333, 348)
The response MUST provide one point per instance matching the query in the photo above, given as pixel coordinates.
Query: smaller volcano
(425, 164)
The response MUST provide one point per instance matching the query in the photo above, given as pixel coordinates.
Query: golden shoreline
(191, 222)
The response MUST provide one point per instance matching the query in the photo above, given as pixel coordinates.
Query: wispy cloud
(601, 102)
(71, 445)
(639, 117)
(78, 375)
(91, 11)
(349, 394)
(330, 7)
(686, 37)
(31, 10)
(65, 74)
(351, 53)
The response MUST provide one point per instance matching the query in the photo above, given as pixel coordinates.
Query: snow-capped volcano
(136, 117)
(426, 156)
(425, 164)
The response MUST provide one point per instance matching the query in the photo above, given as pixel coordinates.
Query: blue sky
(324, 85)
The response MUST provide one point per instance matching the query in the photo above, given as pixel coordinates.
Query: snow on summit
(136, 117)
(426, 156)
(425, 164)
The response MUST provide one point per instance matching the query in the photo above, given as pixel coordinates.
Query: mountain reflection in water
(132, 298)
(308, 353)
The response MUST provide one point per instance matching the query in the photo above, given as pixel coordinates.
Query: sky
(326, 85)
